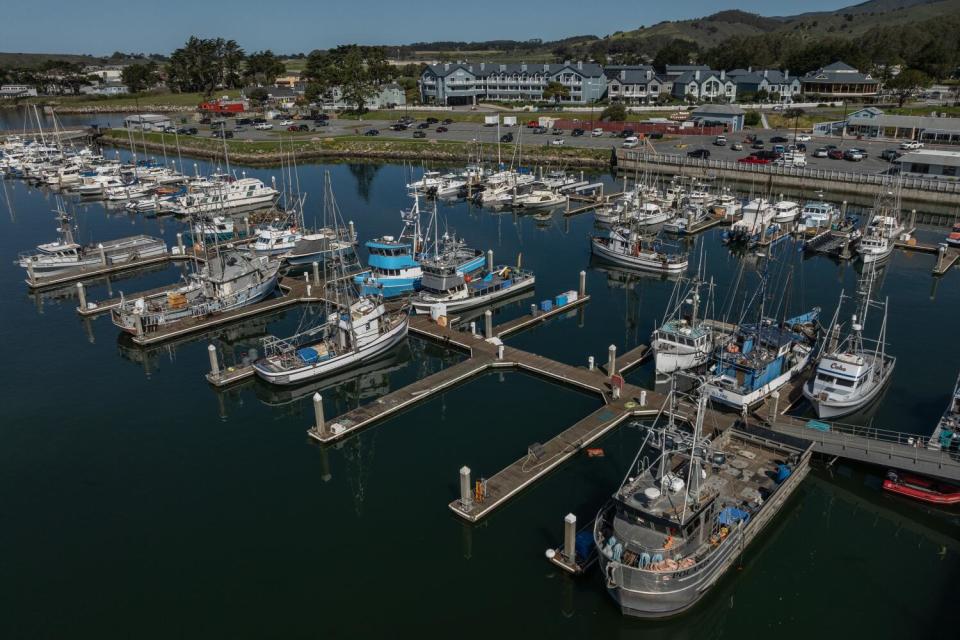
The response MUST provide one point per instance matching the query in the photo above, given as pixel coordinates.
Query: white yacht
(245, 193)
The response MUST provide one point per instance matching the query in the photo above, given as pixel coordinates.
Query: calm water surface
(136, 501)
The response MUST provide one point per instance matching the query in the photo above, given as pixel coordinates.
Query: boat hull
(737, 400)
(463, 304)
(637, 262)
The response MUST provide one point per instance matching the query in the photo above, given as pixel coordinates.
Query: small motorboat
(920, 488)
(954, 238)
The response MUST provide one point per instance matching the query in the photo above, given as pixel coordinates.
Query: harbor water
(137, 501)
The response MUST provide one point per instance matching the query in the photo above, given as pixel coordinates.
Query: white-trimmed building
(929, 163)
(147, 121)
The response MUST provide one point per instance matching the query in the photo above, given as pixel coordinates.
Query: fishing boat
(393, 267)
(689, 507)
(923, 489)
(946, 435)
(217, 228)
(430, 181)
(762, 355)
(817, 214)
(539, 199)
(727, 206)
(624, 246)
(65, 254)
(756, 216)
(883, 229)
(688, 219)
(451, 290)
(354, 329)
(851, 373)
(685, 338)
(230, 279)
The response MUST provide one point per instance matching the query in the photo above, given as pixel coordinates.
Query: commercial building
(873, 123)
(471, 82)
(106, 89)
(928, 163)
(839, 80)
(727, 114)
(147, 122)
(17, 91)
(388, 96)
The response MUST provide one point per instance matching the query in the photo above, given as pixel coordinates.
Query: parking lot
(670, 144)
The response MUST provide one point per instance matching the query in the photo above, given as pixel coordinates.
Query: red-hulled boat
(920, 488)
(954, 237)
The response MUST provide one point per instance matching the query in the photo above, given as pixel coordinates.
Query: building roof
(484, 69)
(705, 74)
(683, 68)
(930, 156)
(839, 65)
(926, 123)
(718, 109)
(630, 75)
(147, 117)
(839, 72)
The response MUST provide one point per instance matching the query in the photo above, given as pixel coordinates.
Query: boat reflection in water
(622, 277)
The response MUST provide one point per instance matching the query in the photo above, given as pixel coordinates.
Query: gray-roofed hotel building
(469, 82)
(839, 80)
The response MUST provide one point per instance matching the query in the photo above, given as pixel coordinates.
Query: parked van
(720, 141)
(792, 159)
(631, 142)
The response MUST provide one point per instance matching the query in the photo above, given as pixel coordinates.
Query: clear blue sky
(100, 27)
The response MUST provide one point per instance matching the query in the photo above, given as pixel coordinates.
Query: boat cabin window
(842, 382)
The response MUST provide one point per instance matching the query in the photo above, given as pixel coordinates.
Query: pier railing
(923, 184)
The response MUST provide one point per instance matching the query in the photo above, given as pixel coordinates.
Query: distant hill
(33, 60)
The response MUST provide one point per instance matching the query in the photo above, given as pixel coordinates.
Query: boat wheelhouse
(446, 287)
(625, 247)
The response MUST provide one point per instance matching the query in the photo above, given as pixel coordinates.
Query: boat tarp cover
(731, 515)
(308, 355)
(584, 544)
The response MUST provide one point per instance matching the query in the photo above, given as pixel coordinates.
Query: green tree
(614, 113)
(205, 64)
(139, 76)
(555, 91)
(259, 95)
(263, 67)
(677, 51)
(906, 83)
(751, 118)
(356, 70)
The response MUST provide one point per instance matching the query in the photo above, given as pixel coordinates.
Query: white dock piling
(353, 232)
(103, 255)
(246, 226)
(533, 310)
(320, 425)
(82, 295)
(488, 323)
(316, 272)
(489, 259)
(180, 249)
(466, 495)
(214, 365)
(941, 252)
(612, 360)
(499, 352)
(473, 327)
(591, 363)
(583, 283)
(643, 398)
(570, 538)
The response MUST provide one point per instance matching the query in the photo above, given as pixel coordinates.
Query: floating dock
(108, 268)
(947, 256)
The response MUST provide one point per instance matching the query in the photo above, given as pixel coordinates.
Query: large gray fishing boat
(677, 524)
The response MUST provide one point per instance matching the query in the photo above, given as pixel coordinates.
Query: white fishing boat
(785, 211)
(685, 338)
(539, 199)
(756, 216)
(817, 214)
(850, 374)
(626, 247)
(242, 194)
(687, 220)
(449, 289)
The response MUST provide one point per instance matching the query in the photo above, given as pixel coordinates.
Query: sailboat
(851, 373)
(355, 328)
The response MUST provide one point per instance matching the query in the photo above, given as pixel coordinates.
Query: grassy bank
(121, 103)
(268, 152)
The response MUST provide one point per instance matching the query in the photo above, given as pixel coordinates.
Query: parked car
(779, 149)
(766, 155)
(419, 134)
(852, 155)
(255, 121)
(557, 142)
(655, 135)
(371, 132)
(835, 154)
(889, 155)
(627, 133)
(800, 147)
(863, 152)
(778, 140)
(804, 137)
(557, 132)
(398, 127)
(321, 123)
(187, 131)
(911, 145)
(720, 141)
(532, 124)
(757, 145)
(821, 152)
(540, 130)
(244, 121)
(448, 121)
(220, 133)
(423, 125)
(441, 129)
(698, 153)
(286, 123)
(407, 120)
(754, 160)
(298, 127)
(507, 137)
(736, 146)
(596, 133)
(631, 142)
(263, 126)
(576, 132)
(321, 116)
(751, 137)
(432, 121)
(205, 120)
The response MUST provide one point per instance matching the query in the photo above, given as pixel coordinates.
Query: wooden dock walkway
(528, 320)
(82, 273)
(947, 256)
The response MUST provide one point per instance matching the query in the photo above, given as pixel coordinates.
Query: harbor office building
(147, 122)
(928, 163)
(467, 83)
(873, 123)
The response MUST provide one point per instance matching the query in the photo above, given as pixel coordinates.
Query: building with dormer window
(839, 80)
(470, 82)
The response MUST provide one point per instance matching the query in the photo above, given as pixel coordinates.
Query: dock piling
(473, 327)
(611, 360)
(643, 398)
(570, 538)
(246, 226)
(499, 352)
(489, 260)
(316, 272)
(488, 323)
(591, 364)
(533, 310)
(466, 498)
(320, 425)
(103, 254)
(353, 232)
(214, 365)
(82, 295)
(583, 283)
(180, 249)
(941, 252)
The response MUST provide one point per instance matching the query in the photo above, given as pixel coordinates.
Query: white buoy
(212, 352)
(550, 553)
